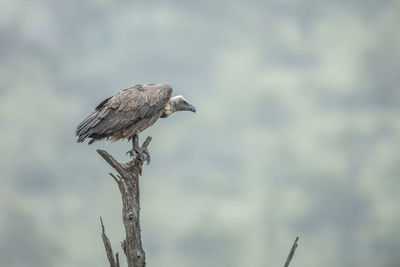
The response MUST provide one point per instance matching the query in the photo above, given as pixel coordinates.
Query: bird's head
(177, 103)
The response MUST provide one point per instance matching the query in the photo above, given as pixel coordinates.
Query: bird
(127, 113)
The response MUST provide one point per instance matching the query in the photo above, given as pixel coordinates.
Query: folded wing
(125, 113)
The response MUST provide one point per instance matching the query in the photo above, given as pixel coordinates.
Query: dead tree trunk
(128, 184)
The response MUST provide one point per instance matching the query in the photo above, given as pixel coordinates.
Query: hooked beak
(191, 108)
(183, 105)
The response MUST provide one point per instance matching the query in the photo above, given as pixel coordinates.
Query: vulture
(129, 112)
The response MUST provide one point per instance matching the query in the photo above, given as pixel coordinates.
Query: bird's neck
(168, 110)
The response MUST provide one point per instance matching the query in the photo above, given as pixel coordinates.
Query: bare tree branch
(117, 259)
(291, 253)
(108, 247)
(113, 162)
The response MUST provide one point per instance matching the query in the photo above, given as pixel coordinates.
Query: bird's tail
(83, 130)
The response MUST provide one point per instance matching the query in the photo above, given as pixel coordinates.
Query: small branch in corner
(107, 245)
(291, 253)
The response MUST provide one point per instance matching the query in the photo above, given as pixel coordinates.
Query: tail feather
(86, 121)
(84, 129)
(82, 138)
(89, 126)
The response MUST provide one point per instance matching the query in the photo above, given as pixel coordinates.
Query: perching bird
(129, 112)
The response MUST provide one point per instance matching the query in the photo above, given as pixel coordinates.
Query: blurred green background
(297, 131)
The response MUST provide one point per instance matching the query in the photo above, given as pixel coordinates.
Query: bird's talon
(146, 153)
(142, 153)
(131, 153)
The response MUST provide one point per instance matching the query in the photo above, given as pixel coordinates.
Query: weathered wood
(291, 253)
(128, 184)
(107, 245)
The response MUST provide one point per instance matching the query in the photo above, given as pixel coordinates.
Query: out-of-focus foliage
(297, 131)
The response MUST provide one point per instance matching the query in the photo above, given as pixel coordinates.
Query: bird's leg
(136, 150)
(135, 147)
(135, 141)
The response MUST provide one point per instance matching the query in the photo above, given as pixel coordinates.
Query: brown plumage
(129, 112)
